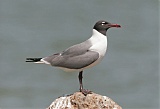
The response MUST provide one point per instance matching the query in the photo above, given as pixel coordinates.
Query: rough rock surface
(80, 101)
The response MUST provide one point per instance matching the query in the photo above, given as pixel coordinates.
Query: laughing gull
(81, 56)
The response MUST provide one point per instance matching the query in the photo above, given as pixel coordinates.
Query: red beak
(114, 25)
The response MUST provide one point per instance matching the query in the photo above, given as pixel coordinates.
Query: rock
(80, 101)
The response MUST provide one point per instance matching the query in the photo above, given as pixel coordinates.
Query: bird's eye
(103, 23)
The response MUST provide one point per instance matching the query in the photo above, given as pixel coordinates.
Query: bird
(83, 55)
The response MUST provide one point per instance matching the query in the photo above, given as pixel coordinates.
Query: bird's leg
(85, 92)
(80, 80)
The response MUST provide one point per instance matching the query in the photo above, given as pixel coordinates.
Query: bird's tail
(35, 60)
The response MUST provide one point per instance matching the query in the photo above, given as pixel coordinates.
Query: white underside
(42, 61)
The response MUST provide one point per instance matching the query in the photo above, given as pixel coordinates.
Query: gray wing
(75, 57)
(73, 61)
(77, 49)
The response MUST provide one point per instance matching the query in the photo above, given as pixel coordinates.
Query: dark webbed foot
(85, 92)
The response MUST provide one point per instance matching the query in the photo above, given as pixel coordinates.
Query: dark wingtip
(33, 59)
(29, 60)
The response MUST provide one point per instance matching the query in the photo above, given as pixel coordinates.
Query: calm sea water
(128, 74)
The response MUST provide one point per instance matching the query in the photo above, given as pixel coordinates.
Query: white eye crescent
(103, 23)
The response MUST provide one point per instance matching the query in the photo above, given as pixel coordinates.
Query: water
(128, 74)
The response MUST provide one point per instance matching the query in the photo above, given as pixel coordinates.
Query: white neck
(96, 33)
(99, 42)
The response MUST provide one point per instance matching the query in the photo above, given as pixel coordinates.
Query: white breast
(99, 42)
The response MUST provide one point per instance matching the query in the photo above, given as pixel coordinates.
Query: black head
(102, 26)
